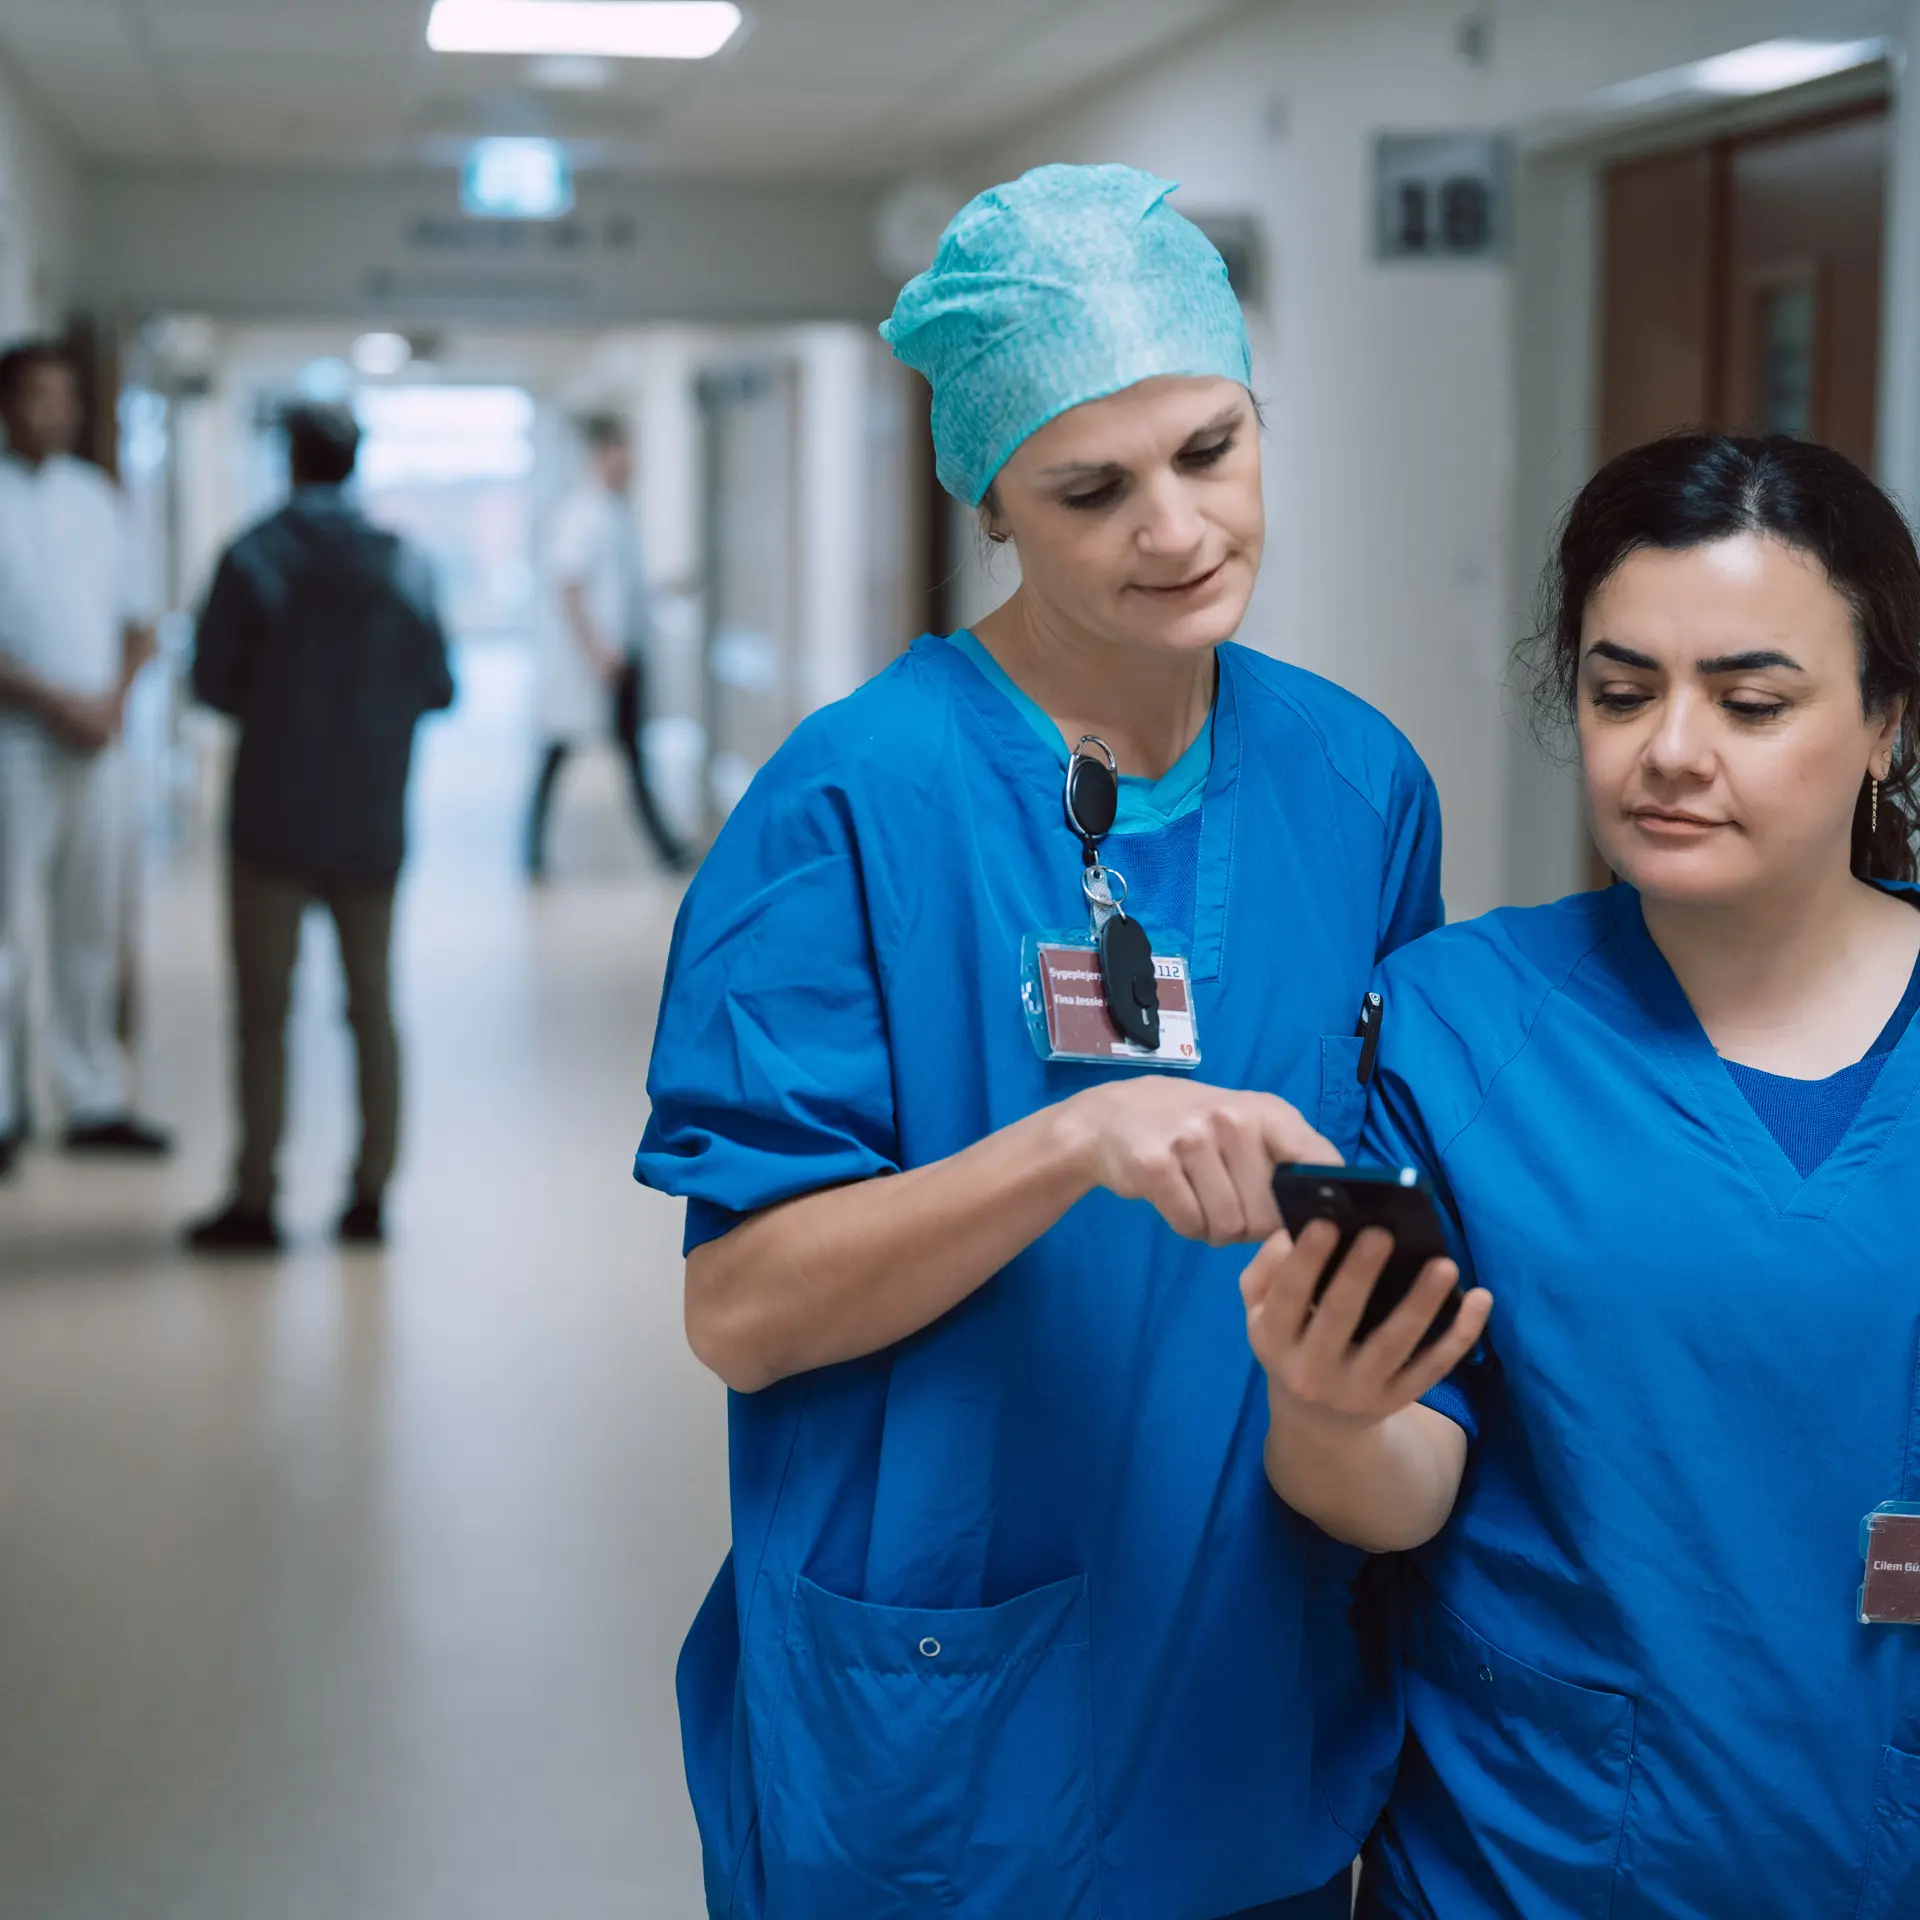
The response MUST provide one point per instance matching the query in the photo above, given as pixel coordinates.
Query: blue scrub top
(1635, 1682)
(1013, 1624)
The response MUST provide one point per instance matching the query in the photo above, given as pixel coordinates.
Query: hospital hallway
(351, 1584)
(654, 366)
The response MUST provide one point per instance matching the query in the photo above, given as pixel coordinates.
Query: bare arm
(139, 644)
(79, 722)
(602, 656)
(835, 1275)
(23, 692)
(1386, 1489)
(1348, 1444)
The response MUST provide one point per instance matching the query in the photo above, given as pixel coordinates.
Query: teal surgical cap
(1064, 286)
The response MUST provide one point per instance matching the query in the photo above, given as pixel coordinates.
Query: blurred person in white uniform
(73, 637)
(595, 630)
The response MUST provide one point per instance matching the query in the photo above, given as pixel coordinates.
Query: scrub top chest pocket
(1346, 1067)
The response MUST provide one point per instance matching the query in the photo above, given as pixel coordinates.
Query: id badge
(1066, 1006)
(1890, 1546)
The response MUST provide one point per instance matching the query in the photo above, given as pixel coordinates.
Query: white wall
(1400, 518)
(834, 643)
(39, 217)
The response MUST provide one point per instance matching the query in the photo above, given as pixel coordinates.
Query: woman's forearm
(21, 691)
(1386, 1487)
(835, 1275)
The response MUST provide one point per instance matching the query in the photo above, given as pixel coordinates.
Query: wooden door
(1741, 288)
(1741, 285)
(1657, 296)
(1802, 327)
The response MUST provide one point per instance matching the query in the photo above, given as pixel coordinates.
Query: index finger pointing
(1288, 1137)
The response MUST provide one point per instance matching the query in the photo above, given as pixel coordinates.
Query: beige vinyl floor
(349, 1588)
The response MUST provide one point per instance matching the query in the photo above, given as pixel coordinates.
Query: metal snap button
(1486, 1674)
(930, 1647)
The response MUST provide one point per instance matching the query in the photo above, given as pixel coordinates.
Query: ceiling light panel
(1769, 66)
(1774, 65)
(599, 29)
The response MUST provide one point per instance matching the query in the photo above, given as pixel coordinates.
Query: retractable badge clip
(1101, 994)
(1126, 955)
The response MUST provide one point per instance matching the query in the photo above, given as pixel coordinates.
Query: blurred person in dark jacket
(321, 636)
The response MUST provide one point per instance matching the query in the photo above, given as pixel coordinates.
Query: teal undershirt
(1145, 805)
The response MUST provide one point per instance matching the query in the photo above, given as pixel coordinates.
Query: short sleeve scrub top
(1013, 1623)
(1637, 1683)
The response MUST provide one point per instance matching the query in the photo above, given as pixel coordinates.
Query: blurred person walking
(597, 628)
(322, 637)
(73, 638)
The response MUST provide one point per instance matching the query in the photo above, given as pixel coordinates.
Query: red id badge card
(1890, 1545)
(1066, 1006)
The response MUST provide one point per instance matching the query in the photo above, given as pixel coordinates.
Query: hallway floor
(349, 1587)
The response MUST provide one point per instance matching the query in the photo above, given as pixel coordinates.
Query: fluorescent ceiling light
(434, 435)
(1769, 66)
(1774, 65)
(608, 29)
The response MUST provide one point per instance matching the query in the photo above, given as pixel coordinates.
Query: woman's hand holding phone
(1348, 1444)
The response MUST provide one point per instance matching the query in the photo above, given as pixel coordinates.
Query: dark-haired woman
(1676, 1129)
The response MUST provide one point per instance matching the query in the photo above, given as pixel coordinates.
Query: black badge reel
(1105, 995)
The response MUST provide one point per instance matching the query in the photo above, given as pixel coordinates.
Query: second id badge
(1890, 1546)
(1064, 997)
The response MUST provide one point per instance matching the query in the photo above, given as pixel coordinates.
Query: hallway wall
(1398, 457)
(40, 216)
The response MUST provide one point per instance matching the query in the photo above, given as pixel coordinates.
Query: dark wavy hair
(1693, 488)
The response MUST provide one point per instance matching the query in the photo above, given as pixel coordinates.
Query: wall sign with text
(1441, 196)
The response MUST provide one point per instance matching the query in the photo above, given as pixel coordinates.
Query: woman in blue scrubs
(1013, 1624)
(1675, 1127)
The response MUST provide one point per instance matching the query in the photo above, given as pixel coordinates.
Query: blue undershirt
(1809, 1118)
(1155, 843)
(1145, 805)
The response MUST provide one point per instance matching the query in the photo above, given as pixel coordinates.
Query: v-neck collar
(1026, 758)
(1728, 1111)
(1146, 806)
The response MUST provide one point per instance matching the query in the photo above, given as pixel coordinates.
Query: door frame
(1556, 290)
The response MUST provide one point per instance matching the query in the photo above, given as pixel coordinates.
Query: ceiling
(828, 89)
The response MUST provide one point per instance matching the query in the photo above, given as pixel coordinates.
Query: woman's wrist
(1072, 1137)
(1378, 1485)
(1313, 1442)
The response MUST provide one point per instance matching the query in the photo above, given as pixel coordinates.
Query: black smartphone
(1395, 1199)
